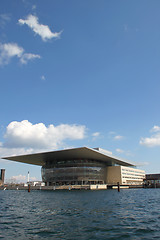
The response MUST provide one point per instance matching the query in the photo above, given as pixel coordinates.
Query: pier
(69, 187)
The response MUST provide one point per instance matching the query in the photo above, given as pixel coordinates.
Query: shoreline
(69, 187)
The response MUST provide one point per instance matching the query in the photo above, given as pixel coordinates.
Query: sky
(79, 73)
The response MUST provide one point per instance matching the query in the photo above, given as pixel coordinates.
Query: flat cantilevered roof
(74, 153)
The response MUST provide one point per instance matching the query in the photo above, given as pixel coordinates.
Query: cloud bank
(42, 30)
(10, 50)
(154, 140)
(38, 136)
(20, 179)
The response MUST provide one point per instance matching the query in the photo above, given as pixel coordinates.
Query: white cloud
(5, 151)
(33, 179)
(42, 30)
(96, 134)
(152, 141)
(4, 18)
(34, 7)
(28, 56)
(37, 136)
(43, 78)
(119, 150)
(118, 137)
(139, 164)
(114, 136)
(112, 133)
(20, 179)
(10, 50)
(155, 129)
(124, 152)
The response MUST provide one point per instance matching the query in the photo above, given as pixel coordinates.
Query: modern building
(83, 166)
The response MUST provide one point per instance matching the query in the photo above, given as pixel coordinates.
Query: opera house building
(83, 166)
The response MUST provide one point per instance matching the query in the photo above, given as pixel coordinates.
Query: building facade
(74, 171)
(152, 180)
(125, 175)
(83, 166)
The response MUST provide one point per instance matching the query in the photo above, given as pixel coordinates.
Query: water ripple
(82, 215)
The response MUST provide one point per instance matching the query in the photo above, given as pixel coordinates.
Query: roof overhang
(74, 153)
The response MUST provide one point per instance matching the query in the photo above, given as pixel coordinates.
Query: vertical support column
(28, 177)
(118, 186)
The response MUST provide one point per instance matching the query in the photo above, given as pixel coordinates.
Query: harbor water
(104, 214)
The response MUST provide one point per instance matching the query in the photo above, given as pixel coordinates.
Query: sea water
(103, 214)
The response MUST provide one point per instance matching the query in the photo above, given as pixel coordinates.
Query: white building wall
(132, 176)
(124, 175)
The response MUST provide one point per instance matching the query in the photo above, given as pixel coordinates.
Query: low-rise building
(152, 180)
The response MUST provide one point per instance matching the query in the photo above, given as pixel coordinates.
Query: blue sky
(79, 73)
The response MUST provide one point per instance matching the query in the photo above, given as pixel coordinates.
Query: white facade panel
(124, 175)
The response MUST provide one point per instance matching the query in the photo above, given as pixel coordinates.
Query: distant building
(2, 175)
(152, 180)
(83, 166)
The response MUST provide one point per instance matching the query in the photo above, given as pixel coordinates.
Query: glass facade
(74, 171)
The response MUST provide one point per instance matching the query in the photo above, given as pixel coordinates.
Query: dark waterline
(130, 214)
